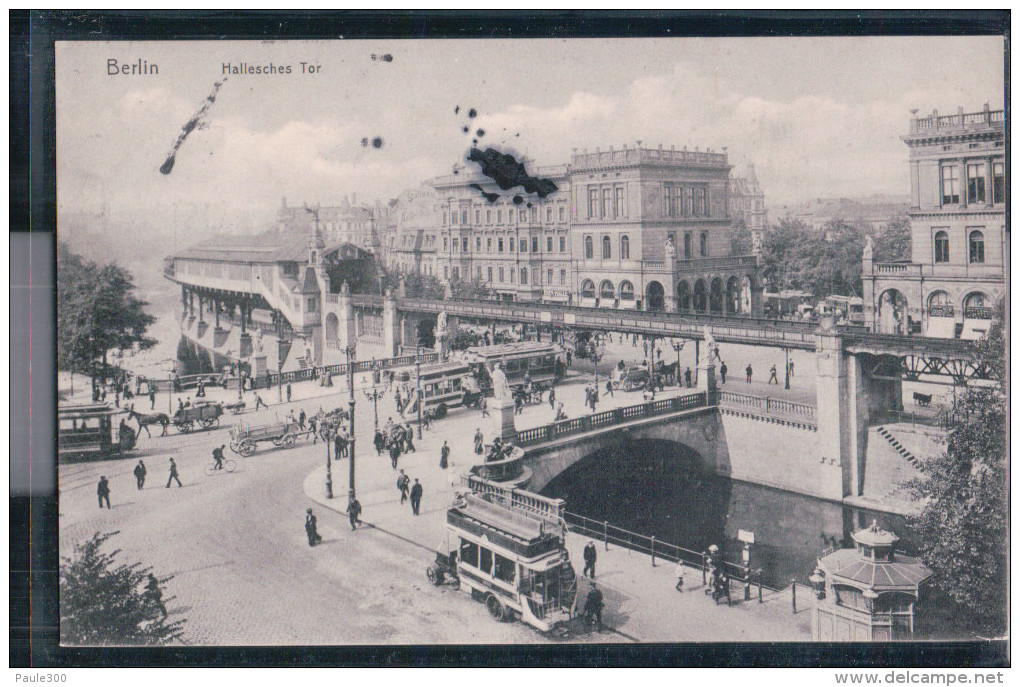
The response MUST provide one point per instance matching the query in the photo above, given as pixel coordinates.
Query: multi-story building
(346, 223)
(747, 201)
(956, 271)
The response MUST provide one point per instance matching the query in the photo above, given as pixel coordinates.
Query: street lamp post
(349, 350)
(329, 471)
(417, 367)
(374, 398)
(279, 359)
(787, 352)
(678, 347)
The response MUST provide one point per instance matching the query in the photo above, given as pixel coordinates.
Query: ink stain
(364, 143)
(507, 172)
(377, 142)
(465, 129)
(480, 133)
(456, 110)
(472, 113)
(518, 200)
(382, 58)
(196, 122)
(491, 197)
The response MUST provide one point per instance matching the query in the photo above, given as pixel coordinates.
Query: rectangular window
(593, 203)
(688, 201)
(534, 244)
(607, 203)
(464, 244)
(548, 214)
(534, 215)
(511, 275)
(488, 245)
(456, 246)
(563, 277)
(524, 275)
(704, 244)
(699, 202)
(446, 244)
(478, 216)
(469, 553)
(976, 183)
(511, 245)
(522, 216)
(489, 270)
(488, 216)
(524, 245)
(548, 277)
(478, 244)
(499, 216)
(485, 560)
(687, 245)
(505, 570)
(548, 244)
(453, 217)
(621, 210)
(563, 214)
(464, 217)
(563, 244)
(500, 245)
(998, 183)
(950, 185)
(500, 275)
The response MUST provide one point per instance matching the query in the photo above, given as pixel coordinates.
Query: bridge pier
(391, 325)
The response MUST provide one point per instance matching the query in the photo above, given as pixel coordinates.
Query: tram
(540, 362)
(507, 548)
(444, 386)
(90, 431)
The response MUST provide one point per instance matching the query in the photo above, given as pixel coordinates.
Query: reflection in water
(659, 488)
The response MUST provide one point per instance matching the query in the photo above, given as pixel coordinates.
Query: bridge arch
(716, 297)
(683, 295)
(332, 328)
(700, 297)
(733, 295)
(892, 312)
(655, 296)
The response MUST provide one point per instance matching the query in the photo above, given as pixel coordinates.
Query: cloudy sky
(816, 116)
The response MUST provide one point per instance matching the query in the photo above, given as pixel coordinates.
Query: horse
(145, 420)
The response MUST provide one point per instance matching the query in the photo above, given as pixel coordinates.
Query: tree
(475, 288)
(893, 243)
(740, 238)
(97, 311)
(830, 259)
(963, 526)
(103, 602)
(780, 253)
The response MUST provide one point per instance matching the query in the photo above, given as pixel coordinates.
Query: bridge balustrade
(608, 418)
(767, 405)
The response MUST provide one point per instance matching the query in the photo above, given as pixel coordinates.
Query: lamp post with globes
(417, 367)
(350, 351)
(374, 397)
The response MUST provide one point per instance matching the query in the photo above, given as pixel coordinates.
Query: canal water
(656, 488)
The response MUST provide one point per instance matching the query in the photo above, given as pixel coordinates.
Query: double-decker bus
(506, 546)
(541, 363)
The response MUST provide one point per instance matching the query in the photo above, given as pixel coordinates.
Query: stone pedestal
(443, 345)
(707, 380)
(258, 366)
(502, 420)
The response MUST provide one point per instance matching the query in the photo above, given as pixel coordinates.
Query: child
(679, 576)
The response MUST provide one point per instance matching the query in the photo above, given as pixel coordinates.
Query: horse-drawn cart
(244, 439)
(205, 415)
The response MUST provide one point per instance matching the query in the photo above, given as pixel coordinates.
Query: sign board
(569, 318)
(546, 316)
(745, 536)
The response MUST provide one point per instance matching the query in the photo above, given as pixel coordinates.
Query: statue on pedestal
(441, 323)
(258, 342)
(757, 239)
(670, 248)
(711, 345)
(869, 246)
(345, 290)
(500, 386)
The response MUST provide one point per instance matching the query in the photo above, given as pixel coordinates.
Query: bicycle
(229, 465)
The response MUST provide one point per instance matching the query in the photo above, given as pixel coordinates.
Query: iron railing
(768, 405)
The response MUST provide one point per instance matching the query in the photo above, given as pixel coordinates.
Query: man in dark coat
(103, 490)
(593, 606)
(140, 474)
(722, 372)
(772, 376)
(301, 419)
(339, 444)
(444, 456)
(380, 442)
(173, 474)
(589, 559)
(311, 528)
(217, 454)
(748, 371)
(354, 513)
(416, 493)
(288, 392)
(152, 397)
(687, 378)
(403, 486)
(154, 595)
(394, 454)
(609, 387)
(552, 399)
(479, 442)
(409, 439)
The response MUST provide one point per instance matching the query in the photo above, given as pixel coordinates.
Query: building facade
(345, 223)
(747, 201)
(956, 271)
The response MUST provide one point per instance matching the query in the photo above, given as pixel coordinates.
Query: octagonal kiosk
(867, 593)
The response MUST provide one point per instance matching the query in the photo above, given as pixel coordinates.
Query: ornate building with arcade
(956, 271)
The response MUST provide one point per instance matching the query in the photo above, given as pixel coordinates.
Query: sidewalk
(641, 601)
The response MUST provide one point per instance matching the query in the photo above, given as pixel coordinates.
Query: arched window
(606, 290)
(683, 295)
(704, 244)
(940, 305)
(624, 247)
(977, 307)
(626, 291)
(606, 248)
(977, 247)
(589, 249)
(941, 247)
(588, 288)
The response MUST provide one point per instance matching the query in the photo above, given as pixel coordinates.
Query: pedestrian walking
(679, 576)
(288, 392)
(479, 442)
(152, 397)
(416, 492)
(301, 419)
(722, 372)
(589, 559)
(103, 490)
(173, 474)
(518, 404)
(140, 475)
(313, 425)
(260, 402)
(772, 376)
(609, 387)
(379, 441)
(687, 377)
(394, 454)
(409, 439)
(403, 486)
(552, 398)
(790, 370)
(484, 407)
(354, 513)
(593, 606)
(570, 357)
(201, 389)
(749, 372)
(153, 594)
(311, 528)
(444, 456)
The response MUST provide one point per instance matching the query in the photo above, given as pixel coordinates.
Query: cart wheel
(441, 410)
(209, 469)
(277, 441)
(233, 446)
(187, 426)
(207, 422)
(496, 608)
(289, 440)
(229, 465)
(435, 576)
(246, 448)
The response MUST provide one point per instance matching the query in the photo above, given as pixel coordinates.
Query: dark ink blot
(364, 143)
(530, 205)
(465, 129)
(387, 58)
(507, 172)
(518, 200)
(516, 135)
(491, 197)
(456, 171)
(377, 142)
(456, 110)
(480, 133)
(474, 141)
(373, 57)
(196, 122)
(472, 113)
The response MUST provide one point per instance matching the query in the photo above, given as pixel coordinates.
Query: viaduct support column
(706, 371)
(347, 331)
(391, 324)
(835, 430)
